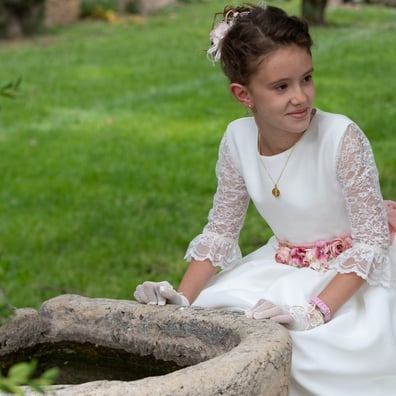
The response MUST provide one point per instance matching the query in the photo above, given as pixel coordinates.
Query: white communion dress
(329, 197)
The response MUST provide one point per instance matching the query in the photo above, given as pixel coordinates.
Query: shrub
(20, 17)
(90, 8)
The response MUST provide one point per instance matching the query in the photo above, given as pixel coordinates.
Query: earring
(249, 109)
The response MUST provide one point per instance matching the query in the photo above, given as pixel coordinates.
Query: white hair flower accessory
(216, 35)
(219, 32)
(221, 29)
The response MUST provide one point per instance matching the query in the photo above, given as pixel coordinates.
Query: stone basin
(196, 351)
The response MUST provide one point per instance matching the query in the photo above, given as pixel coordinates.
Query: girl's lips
(298, 114)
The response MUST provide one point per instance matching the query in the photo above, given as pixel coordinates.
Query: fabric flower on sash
(316, 256)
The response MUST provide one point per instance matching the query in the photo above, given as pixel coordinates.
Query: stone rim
(249, 356)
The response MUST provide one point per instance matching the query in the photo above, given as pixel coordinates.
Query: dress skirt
(352, 355)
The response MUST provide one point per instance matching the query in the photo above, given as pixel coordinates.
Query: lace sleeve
(219, 239)
(358, 177)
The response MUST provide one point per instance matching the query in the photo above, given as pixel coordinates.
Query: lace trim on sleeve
(356, 259)
(222, 252)
(219, 239)
(358, 177)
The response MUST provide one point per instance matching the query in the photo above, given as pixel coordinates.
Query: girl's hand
(295, 317)
(159, 293)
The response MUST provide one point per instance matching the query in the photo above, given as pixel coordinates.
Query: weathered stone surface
(226, 352)
(25, 329)
(148, 7)
(62, 12)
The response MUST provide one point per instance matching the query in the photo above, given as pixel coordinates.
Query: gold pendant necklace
(275, 191)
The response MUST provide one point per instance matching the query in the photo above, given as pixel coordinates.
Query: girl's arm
(366, 260)
(340, 289)
(217, 247)
(196, 277)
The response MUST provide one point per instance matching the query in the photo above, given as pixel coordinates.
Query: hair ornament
(220, 30)
(262, 4)
(218, 33)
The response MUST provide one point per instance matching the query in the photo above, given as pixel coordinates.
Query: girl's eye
(281, 87)
(308, 78)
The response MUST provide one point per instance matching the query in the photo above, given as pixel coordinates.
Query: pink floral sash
(318, 255)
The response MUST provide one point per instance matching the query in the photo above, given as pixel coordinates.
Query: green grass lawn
(107, 158)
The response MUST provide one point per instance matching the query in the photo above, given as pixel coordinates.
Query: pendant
(275, 191)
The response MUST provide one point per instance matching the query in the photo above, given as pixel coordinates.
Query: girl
(328, 273)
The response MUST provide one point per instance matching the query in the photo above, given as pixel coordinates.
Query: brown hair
(255, 33)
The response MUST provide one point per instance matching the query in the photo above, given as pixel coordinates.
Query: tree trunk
(313, 11)
(13, 28)
(20, 17)
(121, 5)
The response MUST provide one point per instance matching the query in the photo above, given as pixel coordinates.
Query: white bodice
(310, 206)
(329, 188)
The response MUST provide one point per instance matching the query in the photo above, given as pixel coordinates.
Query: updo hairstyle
(256, 32)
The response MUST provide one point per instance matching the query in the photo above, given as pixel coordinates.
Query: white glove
(159, 293)
(296, 317)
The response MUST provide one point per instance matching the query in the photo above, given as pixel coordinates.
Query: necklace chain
(275, 191)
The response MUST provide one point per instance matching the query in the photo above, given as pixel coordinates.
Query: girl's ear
(241, 94)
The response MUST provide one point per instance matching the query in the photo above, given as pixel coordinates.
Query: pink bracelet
(322, 307)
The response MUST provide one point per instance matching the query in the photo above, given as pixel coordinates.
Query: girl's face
(282, 92)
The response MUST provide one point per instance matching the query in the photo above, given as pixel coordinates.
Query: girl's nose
(298, 95)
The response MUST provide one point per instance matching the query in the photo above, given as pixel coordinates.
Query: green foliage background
(107, 159)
